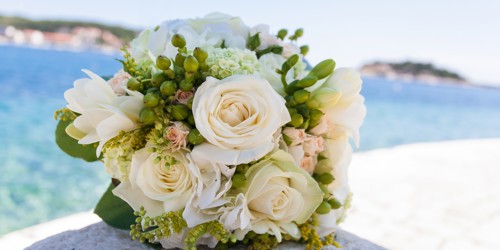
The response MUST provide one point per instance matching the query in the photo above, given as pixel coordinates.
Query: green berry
(151, 100)
(323, 208)
(158, 78)
(334, 203)
(326, 178)
(147, 116)
(194, 137)
(301, 96)
(134, 84)
(185, 85)
(191, 64)
(200, 55)
(163, 63)
(178, 41)
(297, 120)
(179, 112)
(168, 88)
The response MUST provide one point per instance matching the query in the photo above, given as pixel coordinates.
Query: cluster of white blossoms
(223, 122)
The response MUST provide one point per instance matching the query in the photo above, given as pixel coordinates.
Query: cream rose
(238, 116)
(279, 195)
(161, 181)
(346, 115)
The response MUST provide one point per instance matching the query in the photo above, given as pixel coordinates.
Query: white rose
(347, 115)
(238, 116)
(223, 27)
(279, 195)
(103, 114)
(161, 181)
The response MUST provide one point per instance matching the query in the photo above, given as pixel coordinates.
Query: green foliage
(71, 147)
(114, 211)
(53, 26)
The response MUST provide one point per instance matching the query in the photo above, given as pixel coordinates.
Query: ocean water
(38, 182)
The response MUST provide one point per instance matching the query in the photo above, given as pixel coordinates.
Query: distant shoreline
(439, 83)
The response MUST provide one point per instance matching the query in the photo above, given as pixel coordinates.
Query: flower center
(234, 113)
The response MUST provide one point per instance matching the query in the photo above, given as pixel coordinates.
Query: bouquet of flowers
(216, 133)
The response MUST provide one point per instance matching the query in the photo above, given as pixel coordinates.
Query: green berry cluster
(304, 108)
(161, 82)
(329, 202)
(149, 229)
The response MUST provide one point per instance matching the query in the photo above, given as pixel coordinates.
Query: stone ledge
(102, 236)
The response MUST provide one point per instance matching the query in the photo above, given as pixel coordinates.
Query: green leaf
(71, 147)
(114, 211)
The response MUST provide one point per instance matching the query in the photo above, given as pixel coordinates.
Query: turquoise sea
(38, 182)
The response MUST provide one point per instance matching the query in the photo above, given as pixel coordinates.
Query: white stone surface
(102, 236)
(443, 195)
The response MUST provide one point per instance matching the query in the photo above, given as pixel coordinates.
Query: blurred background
(430, 71)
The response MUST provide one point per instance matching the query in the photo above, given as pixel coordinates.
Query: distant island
(72, 35)
(411, 71)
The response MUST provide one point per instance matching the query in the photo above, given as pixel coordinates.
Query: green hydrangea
(225, 62)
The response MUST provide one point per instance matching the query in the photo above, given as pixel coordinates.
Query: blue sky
(460, 35)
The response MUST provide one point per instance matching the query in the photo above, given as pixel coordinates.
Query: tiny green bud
(323, 208)
(282, 34)
(316, 114)
(200, 55)
(289, 63)
(190, 119)
(134, 84)
(189, 103)
(304, 50)
(292, 87)
(307, 81)
(326, 178)
(238, 180)
(194, 137)
(178, 41)
(158, 78)
(305, 124)
(179, 112)
(297, 120)
(303, 110)
(301, 96)
(162, 62)
(185, 85)
(299, 33)
(179, 59)
(254, 42)
(313, 103)
(151, 100)
(147, 116)
(323, 69)
(334, 203)
(191, 64)
(168, 88)
(290, 101)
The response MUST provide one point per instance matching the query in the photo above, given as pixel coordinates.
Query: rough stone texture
(102, 236)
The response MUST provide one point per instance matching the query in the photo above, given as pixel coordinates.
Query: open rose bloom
(216, 133)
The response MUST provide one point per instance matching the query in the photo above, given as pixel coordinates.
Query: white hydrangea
(225, 62)
(117, 161)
